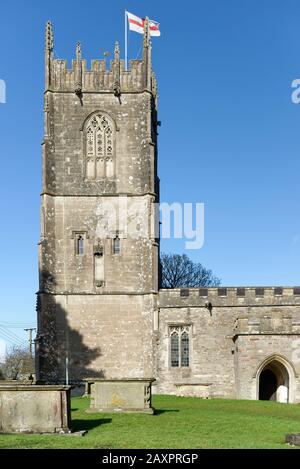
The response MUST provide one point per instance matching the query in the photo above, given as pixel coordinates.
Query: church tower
(98, 252)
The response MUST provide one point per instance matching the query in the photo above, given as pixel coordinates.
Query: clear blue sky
(230, 134)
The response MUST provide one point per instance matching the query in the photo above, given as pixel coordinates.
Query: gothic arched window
(100, 147)
(174, 349)
(185, 352)
(180, 346)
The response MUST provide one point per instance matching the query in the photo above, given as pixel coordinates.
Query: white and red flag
(137, 24)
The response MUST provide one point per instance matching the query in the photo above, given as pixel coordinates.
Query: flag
(137, 24)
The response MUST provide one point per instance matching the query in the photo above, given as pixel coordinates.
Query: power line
(11, 339)
(19, 324)
(17, 327)
(8, 331)
(7, 335)
(11, 336)
(7, 339)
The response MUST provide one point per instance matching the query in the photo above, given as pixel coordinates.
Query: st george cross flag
(137, 24)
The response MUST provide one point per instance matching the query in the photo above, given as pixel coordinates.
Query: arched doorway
(267, 386)
(274, 382)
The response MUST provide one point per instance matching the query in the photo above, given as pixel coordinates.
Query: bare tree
(17, 363)
(179, 271)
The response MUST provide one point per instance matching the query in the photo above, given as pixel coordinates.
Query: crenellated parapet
(97, 77)
(229, 297)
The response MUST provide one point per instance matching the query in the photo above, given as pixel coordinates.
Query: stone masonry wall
(102, 336)
(96, 308)
(228, 343)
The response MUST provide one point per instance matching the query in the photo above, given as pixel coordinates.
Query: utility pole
(30, 330)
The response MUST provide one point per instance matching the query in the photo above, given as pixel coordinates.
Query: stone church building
(100, 310)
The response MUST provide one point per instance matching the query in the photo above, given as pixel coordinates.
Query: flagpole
(126, 41)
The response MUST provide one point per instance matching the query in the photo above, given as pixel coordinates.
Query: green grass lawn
(180, 422)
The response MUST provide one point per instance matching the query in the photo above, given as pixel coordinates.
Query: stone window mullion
(100, 147)
(179, 337)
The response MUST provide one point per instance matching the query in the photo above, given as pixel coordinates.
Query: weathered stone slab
(293, 439)
(34, 408)
(120, 395)
(10, 382)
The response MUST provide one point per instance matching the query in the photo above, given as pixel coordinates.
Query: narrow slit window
(116, 245)
(80, 246)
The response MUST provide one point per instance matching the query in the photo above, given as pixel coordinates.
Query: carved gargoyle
(117, 89)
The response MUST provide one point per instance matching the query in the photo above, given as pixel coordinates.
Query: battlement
(98, 78)
(229, 296)
(81, 79)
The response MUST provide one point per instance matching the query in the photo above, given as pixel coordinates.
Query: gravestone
(120, 395)
(26, 408)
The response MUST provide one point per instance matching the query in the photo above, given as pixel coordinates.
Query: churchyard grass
(180, 422)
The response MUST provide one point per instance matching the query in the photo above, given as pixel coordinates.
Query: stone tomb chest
(34, 408)
(120, 395)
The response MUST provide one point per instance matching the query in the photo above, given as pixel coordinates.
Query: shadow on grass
(82, 424)
(162, 411)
